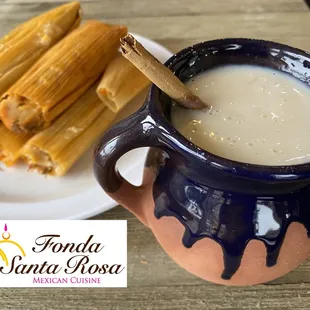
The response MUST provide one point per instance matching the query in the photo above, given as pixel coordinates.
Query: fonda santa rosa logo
(63, 254)
(6, 239)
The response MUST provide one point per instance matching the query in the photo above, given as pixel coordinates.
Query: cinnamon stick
(160, 75)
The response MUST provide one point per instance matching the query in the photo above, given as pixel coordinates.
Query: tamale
(60, 77)
(120, 83)
(10, 145)
(24, 45)
(55, 150)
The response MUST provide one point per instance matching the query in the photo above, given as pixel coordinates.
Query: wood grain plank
(178, 32)
(172, 297)
(148, 8)
(271, 26)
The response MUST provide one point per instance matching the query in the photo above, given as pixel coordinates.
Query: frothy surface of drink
(258, 115)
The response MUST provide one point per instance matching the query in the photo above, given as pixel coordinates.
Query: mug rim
(253, 171)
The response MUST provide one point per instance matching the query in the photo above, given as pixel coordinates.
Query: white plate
(27, 195)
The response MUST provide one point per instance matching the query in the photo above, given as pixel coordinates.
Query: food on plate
(10, 145)
(61, 86)
(54, 150)
(24, 45)
(120, 83)
(60, 77)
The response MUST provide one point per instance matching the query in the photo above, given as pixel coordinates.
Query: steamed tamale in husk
(10, 145)
(60, 77)
(24, 45)
(120, 83)
(55, 150)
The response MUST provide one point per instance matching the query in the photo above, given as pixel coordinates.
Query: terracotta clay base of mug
(205, 258)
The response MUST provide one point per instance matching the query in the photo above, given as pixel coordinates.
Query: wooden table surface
(154, 281)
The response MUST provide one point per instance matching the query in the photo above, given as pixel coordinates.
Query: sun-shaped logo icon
(6, 239)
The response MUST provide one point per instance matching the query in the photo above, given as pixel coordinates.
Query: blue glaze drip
(229, 218)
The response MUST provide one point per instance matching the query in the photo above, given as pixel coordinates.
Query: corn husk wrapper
(10, 145)
(55, 150)
(24, 45)
(121, 82)
(60, 77)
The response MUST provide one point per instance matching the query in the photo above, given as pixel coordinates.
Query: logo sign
(63, 254)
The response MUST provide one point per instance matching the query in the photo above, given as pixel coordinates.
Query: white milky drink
(258, 115)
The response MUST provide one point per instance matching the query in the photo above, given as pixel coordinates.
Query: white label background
(111, 234)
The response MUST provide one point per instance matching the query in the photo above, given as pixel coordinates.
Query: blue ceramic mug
(224, 221)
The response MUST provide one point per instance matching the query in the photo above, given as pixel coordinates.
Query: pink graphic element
(5, 227)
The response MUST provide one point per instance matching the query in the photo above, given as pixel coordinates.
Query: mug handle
(138, 130)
